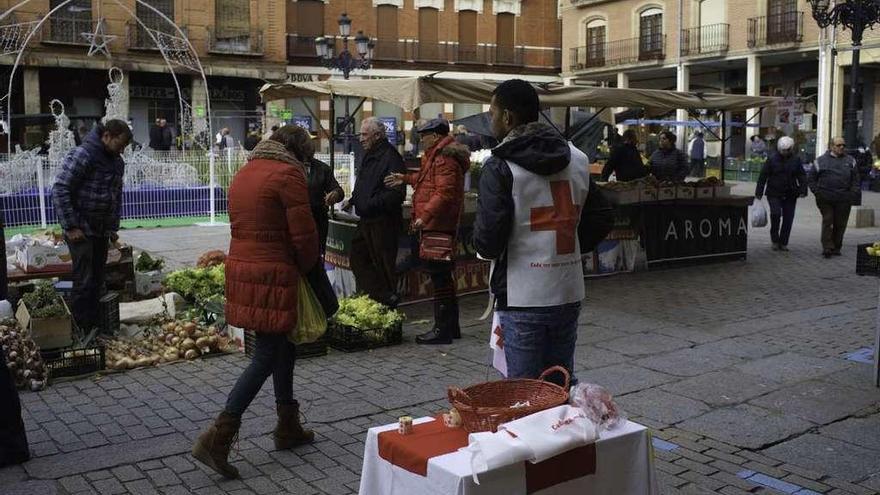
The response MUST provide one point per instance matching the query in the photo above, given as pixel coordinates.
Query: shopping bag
(311, 322)
(758, 213)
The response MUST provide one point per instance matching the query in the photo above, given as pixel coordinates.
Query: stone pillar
(33, 135)
(622, 83)
(838, 104)
(823, 105)
(682, 83)
(753, 88)
(126, 92)
(200, 115)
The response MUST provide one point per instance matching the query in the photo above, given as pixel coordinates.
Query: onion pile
(173, 341)
(22, 357)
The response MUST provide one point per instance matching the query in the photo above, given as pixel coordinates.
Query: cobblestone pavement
(741, 370)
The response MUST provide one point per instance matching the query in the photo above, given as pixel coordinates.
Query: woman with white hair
(783, 180)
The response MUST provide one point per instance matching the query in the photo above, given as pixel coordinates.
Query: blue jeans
(273, 355)
(539, 338)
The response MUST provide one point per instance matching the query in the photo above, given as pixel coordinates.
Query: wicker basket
(485, 406)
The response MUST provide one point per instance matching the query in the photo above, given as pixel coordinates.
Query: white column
(622, 83)
(837, 104)
(126, 109)
(753, 88)
(823, 104)
(199, 104)
(682, 83)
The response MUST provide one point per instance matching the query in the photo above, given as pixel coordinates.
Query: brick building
(766, 47)
(485, 39)
(240, 43)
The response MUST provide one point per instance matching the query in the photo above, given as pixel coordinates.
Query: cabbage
(363, 313)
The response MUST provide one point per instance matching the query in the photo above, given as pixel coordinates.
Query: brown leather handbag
(436, 246)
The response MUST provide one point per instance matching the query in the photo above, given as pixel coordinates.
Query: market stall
(653, 230)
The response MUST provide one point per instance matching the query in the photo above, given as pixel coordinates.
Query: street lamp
(855, 15)
(345, 61)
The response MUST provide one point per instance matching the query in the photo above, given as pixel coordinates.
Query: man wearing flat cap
(374, 246)
(438, 201)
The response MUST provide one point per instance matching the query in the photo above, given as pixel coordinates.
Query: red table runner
(411, 452)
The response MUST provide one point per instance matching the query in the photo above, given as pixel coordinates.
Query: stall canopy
(410, 93)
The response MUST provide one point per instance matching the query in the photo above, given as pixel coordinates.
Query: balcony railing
(67, 31)
(141, 38)
(302, 49)
(703, 40)
(787, 27)
(225, 42)
(620, 52)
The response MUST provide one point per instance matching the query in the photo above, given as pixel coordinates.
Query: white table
(624, 466)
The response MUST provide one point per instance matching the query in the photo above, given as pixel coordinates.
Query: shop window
(467, 36)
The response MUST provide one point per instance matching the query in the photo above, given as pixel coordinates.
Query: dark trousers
(781, 209)
(13, 438)
(89, 259)
(374, 257)
(698, 167)
(273, 355)
(441, 279)
(835, 214)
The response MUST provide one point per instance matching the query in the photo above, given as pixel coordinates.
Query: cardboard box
(704, 192)
(647, 194)
(37, 258)
(148, 283)
(684, 192)
(666, 193)
(621, 197)
(47, 333)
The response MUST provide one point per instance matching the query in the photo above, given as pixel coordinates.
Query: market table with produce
(664, 224)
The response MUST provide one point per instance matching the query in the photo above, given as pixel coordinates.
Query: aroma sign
(680, 232)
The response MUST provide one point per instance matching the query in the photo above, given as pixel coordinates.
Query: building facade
(754, 47)
(464, 39)
(239, 43)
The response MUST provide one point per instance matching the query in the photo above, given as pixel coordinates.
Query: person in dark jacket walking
(782, 180)
(88, 202)
(438, 201)
(532, 192)
(324, 191)
(374, 247)
(156, 135)
(698, 155)
(834, 181)
(668, 163)
(625, 160)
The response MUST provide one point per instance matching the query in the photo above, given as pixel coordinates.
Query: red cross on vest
(561, 218)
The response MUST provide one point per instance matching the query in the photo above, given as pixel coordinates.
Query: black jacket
(321, 182)
(370, 197)
(782, 177)
(626, 161)
(671, 165)
(835, 179)
(156, 138)
(537, 148)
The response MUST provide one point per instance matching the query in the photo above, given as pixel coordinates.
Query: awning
(410, 93)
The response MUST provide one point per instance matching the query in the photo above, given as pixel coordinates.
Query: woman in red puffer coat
(274, 243)
(438, 201)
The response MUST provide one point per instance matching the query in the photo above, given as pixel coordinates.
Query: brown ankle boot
(212, 447)
(289, 433)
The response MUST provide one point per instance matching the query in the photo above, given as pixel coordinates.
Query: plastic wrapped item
(598, 405)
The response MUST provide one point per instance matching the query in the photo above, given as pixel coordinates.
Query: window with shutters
(467, 36)
(232, 28)
(505, 32)
(596, 43)
(388, 46)
(305, 22)
(68, 23)
(429, 34)
(651, 34)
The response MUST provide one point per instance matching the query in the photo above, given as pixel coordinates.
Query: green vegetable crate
(317, 348)
(347, 338)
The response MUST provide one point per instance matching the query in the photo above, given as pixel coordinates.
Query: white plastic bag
(758, 213)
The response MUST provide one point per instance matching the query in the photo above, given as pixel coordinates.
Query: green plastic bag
(311, 322)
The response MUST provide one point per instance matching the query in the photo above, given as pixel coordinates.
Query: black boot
(440, 334)
(454, 327)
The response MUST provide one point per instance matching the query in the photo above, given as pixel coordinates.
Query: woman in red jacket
(438, 201)
(274, 241)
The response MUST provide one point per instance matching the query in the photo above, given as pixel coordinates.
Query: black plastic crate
(108, 313)
(865, 263)
(74, 361)
(316, 348)
(350, 339)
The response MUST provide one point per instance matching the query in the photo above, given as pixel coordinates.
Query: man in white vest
(532, 192)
